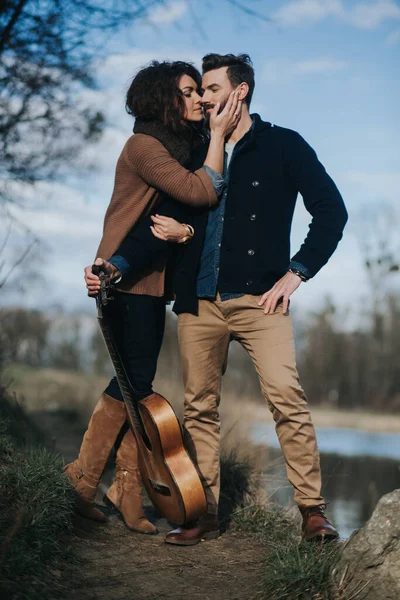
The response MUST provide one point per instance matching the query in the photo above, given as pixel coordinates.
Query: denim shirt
(207, 279)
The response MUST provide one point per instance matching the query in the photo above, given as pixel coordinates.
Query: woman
(165, 100)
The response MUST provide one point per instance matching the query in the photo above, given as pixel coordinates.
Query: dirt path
(116, 564)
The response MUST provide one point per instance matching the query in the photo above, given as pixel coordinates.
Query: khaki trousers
(268, 339)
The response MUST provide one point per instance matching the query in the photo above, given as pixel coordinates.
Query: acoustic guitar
(168, 474)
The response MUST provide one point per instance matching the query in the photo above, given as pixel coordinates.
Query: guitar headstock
(104, 295)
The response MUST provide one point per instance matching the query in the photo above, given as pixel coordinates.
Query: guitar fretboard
(122, 377)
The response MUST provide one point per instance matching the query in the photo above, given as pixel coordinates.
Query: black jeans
(138, 325)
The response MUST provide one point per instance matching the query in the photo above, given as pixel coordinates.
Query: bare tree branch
(249, 11)
(46, 55)
(18, 262)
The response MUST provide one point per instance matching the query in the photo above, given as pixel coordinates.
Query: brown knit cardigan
(145, 169)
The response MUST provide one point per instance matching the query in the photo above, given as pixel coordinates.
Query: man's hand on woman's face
(92, 281)
(167, 229)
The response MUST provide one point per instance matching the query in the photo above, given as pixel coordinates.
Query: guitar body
(169, 476)
(168, 473)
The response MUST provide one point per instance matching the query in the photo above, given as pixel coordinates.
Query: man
(236, 278)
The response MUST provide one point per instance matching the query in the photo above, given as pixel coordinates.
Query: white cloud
(306, 11)
(372, 14)
(56, 209)
(319, 65)
(282, 70)
(169, 13)
(104, 155)
(363, 15)
(118, 69)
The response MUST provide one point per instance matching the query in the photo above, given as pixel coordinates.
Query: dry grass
(54, 389)
(57, 390)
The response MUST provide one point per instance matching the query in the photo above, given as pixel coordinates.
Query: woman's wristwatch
(299, 274)
(189, 235)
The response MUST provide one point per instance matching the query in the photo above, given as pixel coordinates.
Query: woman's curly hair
(154, 94)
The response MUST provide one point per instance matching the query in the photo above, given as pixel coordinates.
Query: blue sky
(326, 68)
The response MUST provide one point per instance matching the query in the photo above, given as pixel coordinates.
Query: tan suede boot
(85, 472)
(125, 494)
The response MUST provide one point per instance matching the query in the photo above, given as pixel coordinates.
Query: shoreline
(328, 418)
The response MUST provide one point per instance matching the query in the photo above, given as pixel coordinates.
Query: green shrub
(294, 570)
(35, 516)
(236, 479)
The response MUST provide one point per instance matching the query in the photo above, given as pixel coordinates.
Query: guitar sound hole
(160, 488)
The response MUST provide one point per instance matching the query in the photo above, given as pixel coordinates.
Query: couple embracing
(202, 207)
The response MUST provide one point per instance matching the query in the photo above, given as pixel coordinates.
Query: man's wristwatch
(299, 274)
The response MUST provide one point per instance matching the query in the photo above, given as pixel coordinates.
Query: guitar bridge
(160, 488)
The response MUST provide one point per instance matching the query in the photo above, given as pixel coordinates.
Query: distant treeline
(340, 367)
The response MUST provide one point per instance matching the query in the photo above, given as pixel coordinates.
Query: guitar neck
(122, 377)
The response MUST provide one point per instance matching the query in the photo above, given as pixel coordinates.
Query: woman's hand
(224, 123)
(92, 281)
(167, 229)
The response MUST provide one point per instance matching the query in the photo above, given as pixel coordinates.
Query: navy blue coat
(265, 177)
(271, 167)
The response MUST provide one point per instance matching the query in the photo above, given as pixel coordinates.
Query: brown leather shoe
(315, 524)
(206, 528)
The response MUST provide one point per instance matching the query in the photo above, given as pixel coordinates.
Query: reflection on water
(352, 484)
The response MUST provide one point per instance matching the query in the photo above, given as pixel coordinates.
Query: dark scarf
(178, 146)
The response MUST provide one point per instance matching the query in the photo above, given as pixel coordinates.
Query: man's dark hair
(154, 94)
(240, 69)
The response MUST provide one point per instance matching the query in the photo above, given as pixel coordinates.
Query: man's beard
(206, 106)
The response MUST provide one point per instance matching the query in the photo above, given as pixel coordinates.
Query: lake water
(358, 467)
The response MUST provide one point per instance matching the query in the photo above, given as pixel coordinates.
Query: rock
(370, 562)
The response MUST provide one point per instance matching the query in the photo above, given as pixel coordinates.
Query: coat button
(255, 183)
(249, 282)
(253, 217)
(251, 252)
